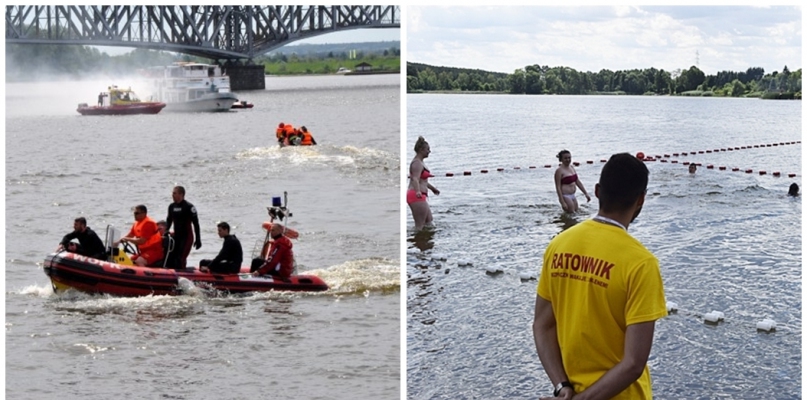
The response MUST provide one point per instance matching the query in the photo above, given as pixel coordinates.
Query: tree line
(537, 79)
(27, 62)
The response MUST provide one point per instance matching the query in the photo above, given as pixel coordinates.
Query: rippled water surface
(343, 343)
(726, 240)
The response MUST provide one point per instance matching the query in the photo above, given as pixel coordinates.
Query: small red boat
(118, 276)
(69, 270)
(242, 104)
(121, 102)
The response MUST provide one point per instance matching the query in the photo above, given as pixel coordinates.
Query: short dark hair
(622, 180)
(180, 189)
(81, 220)
(224, 225)
(561, 153)
(141, 207)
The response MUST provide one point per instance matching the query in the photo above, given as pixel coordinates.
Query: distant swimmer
(692, 168)
(794, 190)
(308, 139)
(567, 182)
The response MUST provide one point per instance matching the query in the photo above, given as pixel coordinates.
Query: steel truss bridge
(214, 32)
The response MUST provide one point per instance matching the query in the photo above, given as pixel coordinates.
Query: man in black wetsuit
(89, 244)
(230, 257)
(182, 214)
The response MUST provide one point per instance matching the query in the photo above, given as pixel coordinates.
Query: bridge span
(232, 34)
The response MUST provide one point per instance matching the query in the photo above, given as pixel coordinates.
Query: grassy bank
(330, 65)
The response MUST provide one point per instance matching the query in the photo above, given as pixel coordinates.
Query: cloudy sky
(591, 38)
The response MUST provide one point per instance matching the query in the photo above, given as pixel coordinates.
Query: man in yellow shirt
(599, 295)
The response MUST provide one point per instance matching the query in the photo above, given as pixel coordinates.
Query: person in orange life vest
(308, 140)
(279, 259)
(146, 236)
(281, 133)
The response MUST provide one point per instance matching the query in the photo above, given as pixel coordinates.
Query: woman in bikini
(418, 193)
(566, 183)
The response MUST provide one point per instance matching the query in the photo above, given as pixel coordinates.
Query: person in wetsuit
(567, 182)
(229, 259)
(182, 215)
(89, 244)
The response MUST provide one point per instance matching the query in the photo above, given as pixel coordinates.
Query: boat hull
(130, 109)
(213, 102)
(68, 270)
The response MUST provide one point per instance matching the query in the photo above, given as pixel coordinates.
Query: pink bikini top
(568, 179)
(425, 174)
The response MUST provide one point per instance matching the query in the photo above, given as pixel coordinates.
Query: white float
(766, 325)
(493, 269)
(672, 307)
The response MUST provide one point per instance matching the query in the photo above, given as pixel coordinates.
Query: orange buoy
(640, 155)
(290, 233)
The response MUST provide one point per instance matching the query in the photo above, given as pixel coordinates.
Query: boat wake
(362, 277)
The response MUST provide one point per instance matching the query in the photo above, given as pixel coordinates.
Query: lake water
(343, 343)
(726, 240)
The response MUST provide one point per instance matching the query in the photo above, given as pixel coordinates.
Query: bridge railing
(230, 32)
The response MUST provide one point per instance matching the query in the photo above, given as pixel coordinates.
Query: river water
(343, 343)
(726, 240)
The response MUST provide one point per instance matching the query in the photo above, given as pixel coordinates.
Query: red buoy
(748, 171)
(792, 175)
(710, 166)
(640, 155)
(466, 173)
(722, 168)
(762, 172)
(484, 171)
(500, 169)
(449, 174)
(776, 173)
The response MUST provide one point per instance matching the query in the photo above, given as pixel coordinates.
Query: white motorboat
(189, 86)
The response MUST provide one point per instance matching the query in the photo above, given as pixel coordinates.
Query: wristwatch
(560, 386)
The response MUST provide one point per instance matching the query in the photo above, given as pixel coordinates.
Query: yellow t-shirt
(599, 280)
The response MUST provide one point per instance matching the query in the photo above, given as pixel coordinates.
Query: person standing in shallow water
(417, 195)
(567, 182)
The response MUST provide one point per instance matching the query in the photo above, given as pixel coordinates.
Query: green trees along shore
(39, 61)
(537, 79)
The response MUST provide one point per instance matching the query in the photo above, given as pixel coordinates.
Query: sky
(592, 38)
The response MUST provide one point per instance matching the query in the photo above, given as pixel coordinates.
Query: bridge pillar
(246, 77)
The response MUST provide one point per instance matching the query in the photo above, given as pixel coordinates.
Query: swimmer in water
(567, 182)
